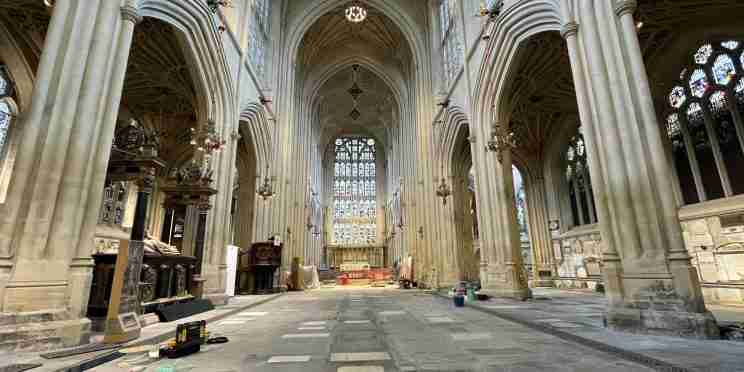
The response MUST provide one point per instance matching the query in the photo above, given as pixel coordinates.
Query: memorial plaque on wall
(122, 321)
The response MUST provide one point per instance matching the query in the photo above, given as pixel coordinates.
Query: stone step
(42, 336)
(31, 345)
(9, 319)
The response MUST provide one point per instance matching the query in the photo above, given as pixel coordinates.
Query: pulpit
(257, 267)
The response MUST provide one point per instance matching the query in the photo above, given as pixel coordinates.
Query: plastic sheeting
(310, 278)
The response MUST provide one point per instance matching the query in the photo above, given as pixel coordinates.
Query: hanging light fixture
(206, 139)
(355, 12)
(355, 91)
(266, 190)
(444, 191)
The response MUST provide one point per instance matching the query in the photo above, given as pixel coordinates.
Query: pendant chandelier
(355, 12)
(207, 140)
(266, 190)
(355, 92)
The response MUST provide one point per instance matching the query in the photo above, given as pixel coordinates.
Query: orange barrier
(380, 274)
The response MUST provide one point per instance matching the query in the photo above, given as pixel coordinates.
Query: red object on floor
(343, 279)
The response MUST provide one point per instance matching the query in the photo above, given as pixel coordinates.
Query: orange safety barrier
(380, 274)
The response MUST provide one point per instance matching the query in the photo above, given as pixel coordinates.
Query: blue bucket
(459, 300)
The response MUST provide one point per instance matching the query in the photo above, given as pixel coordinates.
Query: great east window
(355, 192)
(704, 122)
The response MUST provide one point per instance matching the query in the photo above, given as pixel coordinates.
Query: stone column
(140, 211)
(650, 284)
(510, 279)
(611, 259)
(542, 245)
(201, 232)
(55, 195)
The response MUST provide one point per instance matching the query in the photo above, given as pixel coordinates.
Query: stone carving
(148, 280)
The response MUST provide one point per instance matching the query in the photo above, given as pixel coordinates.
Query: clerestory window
(355, 192)
(258, 34)
(451, 39)
(704, 122)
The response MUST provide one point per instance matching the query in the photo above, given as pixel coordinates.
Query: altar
(373, 255)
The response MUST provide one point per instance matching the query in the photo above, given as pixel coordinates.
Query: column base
(42, 331)
(663, 322)
(520, 294)
(505, 282)
(544, 283)
(654, 303)
(217, 299)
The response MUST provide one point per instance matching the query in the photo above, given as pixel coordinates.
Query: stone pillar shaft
(649, 282)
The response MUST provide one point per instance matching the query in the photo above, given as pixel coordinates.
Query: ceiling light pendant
(355, 92)
(355, 12)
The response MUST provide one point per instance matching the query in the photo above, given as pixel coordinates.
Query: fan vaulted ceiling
(332, 31)
(375, 105)
(541, 93)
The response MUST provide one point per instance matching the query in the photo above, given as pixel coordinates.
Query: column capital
(131, 13)
(623, 7)
(569, 29)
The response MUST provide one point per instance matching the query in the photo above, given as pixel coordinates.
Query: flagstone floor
(397, 330)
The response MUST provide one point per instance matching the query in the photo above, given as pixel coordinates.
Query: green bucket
(471, 294)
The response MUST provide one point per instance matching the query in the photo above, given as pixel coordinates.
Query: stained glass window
(6, 112)
(723, 69)
(5, 118)
(702, 55)
(677, 97)
(731, 44)
(258, 34)
(707, 101)
(355, 197)
(698, 83)
(673, 125)
(579, 185)
(718, 101)
(452, 44)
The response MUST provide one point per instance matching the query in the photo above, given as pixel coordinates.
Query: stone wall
(714, 236)
(577, 257)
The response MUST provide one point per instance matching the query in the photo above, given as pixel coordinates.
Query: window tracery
(7, 106)
(704, 122)
(581, 197)
(451, 38)
(258, 34)
(354, 186)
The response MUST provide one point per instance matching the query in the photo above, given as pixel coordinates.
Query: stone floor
(149, 334)
(378, 330)
(382, 330)
(580, 314)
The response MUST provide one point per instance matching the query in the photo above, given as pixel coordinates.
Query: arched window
(258, 34)
(452, 44)
(473, 203)
(704, 122)
(7, 113)
(580, 192)
(520, 200)
(355, 196)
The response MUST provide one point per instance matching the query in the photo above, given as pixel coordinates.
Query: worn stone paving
(388, 330)
(581, 313)
(383, 331)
